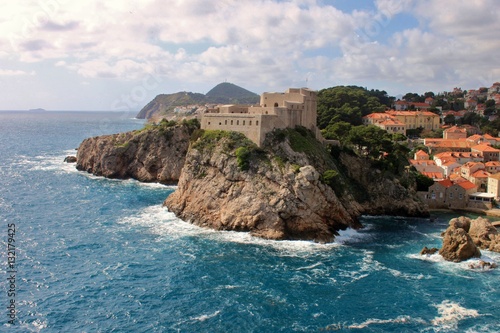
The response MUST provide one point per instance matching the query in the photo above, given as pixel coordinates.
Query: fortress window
(275, 105)
(231, 122)
(243, 123)
(257, 123)
(237, 122)
(225, 122)
(209, 123)
(220, 124)
(250, 123)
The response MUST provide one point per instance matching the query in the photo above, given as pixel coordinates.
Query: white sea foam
(450, 314)
(374, 321)
(205, 316)
(472, 264)
(158, 220)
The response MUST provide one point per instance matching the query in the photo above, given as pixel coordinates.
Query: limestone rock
(427, 251)
(458, 245)
(150, 155)
(269, 200)
(70, 159)
(484, 234)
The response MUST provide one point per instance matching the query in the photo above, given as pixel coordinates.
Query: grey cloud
(54, 26)
(35, 45)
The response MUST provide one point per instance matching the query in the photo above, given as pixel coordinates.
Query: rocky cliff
(379, 193)
(291, 189)
(153, 154)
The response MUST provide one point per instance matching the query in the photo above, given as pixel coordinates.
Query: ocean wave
(160, 221)
(460, 267)
(450, 314)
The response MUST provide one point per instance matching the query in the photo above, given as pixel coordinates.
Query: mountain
(228, 93)
(223, 93)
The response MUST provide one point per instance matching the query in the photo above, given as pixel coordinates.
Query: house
(469, 168)
(400, 105)
(420, 106)
(494, 185)
(449, 195)
(428, 168)
(488, 152)
(421, 155)
(295, 107)
(454, 133)
(480, 179)
(444, 145)
(448, 167)
(429, 100)
(492, 166)
(386, 122)
(470, 104)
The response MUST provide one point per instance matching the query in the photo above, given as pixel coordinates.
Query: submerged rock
(427, 251)
(70, 159)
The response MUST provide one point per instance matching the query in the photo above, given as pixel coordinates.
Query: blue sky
(117, 55)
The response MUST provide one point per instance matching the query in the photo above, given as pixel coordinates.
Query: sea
(98, 255)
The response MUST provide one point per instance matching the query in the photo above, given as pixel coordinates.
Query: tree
(371, 139)
(337, 131)
(347, 104)
(449, 119)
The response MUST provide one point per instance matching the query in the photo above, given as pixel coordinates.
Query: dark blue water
(97, 255)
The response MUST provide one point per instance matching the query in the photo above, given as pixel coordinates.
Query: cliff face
(381, 195)
(154, 154)
(272, 199)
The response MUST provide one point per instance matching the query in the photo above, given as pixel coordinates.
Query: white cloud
(14, 72)
(267, 44)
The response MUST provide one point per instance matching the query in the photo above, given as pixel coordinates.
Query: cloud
(54, 26)
(13, 72)
(268, 44)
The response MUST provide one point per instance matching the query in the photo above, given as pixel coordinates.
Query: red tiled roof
(484, 147)
(467, 185)
(446, 183)
(480, 174)
(420, 152)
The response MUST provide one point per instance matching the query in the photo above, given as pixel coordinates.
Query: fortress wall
(249, 125)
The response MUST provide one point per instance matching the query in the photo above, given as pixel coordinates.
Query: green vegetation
(349, 104)
(243, 157)
(333, 179)
(423, 182)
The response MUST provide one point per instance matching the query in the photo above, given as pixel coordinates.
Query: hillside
(223, 93)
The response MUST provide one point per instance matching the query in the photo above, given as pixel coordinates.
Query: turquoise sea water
(98, 255)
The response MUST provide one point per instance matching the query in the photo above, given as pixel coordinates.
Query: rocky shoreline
(225, 182)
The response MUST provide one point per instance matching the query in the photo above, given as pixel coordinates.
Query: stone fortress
(295, 107)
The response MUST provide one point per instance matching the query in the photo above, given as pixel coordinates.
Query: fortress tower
(295, 107)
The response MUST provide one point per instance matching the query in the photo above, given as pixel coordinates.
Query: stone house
(488, 152)
(454, 133)
(445, 194)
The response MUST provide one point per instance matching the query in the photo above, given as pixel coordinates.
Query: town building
(454, 133)
(417, 119)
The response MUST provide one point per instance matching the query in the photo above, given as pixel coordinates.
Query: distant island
(37, 110)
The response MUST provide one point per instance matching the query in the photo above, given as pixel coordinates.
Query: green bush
(333, 179)
(243, 158)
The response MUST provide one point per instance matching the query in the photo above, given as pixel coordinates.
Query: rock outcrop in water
(464, 238)
(279, 192)
(154, 154)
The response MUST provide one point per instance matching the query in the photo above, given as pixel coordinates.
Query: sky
(117, 55)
